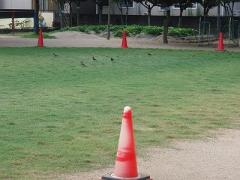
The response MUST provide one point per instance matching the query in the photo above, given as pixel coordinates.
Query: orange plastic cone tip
(40, 38)
(125, 164)
(220, 42)
(124, 40)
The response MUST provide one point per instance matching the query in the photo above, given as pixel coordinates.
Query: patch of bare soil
(215, 158)
(78, 39)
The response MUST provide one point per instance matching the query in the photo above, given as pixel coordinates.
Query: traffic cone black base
(112, 177)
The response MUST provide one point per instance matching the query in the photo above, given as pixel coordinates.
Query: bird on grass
(112, 59)
(149, 54)
(82, 63)
(55, 55)
(93, 58)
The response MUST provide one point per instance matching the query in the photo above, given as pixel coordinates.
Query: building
(21, 13)
(138, 9)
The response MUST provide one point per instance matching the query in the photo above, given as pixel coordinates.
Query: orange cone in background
(126, 164)
(40, 38)
(220, 42)
(124, 40)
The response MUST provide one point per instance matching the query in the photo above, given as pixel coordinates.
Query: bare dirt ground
(212, 158)
(78, 39)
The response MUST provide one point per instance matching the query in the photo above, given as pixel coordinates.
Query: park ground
(79, 39)
(213, 158)
(61, 111)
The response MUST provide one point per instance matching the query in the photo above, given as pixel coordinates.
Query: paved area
(215, 158)
(77, 39)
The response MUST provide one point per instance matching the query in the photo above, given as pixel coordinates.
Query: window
(43, 4)
(126, 3)
(164, 9)
(194, 6)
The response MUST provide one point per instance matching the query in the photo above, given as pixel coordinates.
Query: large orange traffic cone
(40, 38)
(124, 40)
(220, 42)
(126, 164)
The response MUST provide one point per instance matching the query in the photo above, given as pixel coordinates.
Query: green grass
(58, 116)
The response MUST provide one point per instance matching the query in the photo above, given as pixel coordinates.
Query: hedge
(133, 30)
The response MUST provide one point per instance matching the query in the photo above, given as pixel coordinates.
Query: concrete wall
(15, 4)
(138, 9)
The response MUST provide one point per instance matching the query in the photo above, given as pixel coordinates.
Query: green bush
(153, 30)
(115, 28)
(117, 33)
(97, 28)
(132, 30)
(181, 32)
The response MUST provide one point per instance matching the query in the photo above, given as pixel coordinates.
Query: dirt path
(78, 39)
(208, 159)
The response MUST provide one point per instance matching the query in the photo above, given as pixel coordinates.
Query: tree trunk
(13, 22)
(109, 20)
(119, 5)
(126, 15)
(165, 28)
(121, 16)
(149, 16)
(78, 13)
(232, 21)
(71, 16)
(218, 18)
(60, 14)
(36, 19)
(205, 13)
(230, 28)
(78, 17)
(180, 18)
(100, 13)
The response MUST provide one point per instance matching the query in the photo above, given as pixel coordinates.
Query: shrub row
(132, 30)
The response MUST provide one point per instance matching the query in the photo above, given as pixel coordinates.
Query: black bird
(93, 58)
(112, 59)
(149, 54)
(84, 65)
(55, 55)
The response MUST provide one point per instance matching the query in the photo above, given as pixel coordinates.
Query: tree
(183, 4)
(99, 8)
(100, 4)
(207, 5)
(166, 4)
(229, 6)
(77, 4)
(36, 13)
(60, 5)
(229, 9)
(149, 4)
(71, 3)
(123, 4)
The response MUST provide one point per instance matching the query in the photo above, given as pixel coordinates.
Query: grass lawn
(60, 111)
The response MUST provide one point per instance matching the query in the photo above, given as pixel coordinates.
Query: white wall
(15, 4)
